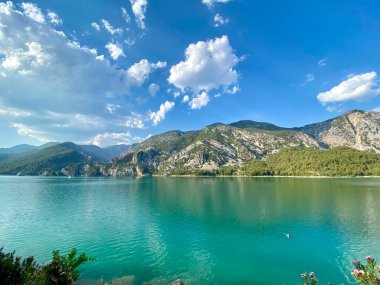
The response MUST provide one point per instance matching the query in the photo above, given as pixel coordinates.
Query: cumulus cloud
(110, 28)
(140, 71)
(153, 89)
(6, 7)
(32, 11)
(95, 26)
(208, 65)
(356, 87)
(115, 50)
(209, 3)
(186, 98)
(54, 88)
(158, 116)
(199, 101)
(54, 18)
(220, 21)
(139, 10)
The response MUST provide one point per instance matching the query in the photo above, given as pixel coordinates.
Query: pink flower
(369, 258)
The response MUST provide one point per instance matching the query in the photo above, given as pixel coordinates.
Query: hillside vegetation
(340, 161)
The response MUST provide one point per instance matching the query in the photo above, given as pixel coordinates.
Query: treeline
(340, 161)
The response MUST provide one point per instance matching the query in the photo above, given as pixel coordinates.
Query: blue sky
(109, 72)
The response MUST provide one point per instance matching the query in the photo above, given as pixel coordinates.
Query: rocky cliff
(220, 145)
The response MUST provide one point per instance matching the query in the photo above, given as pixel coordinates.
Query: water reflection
(202, 230)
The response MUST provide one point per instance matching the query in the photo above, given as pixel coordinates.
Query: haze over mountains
(212, 147)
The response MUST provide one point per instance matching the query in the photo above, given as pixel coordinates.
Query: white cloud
(32, 11)
(140, 71)
(23, 130)
(158, 116)
(106, 139)
(186, 98)
(357, 87)
(235, 89)
(112, 107)
(54, 18)
(53, 88)
(220, 21)
(115, 50)
(209, 3)
(126, 16)
(95, 26)
(309, 77)
(176, 94)
(208, 65)
(153, 89)
(377, 109)
(322, 62)
(111, 29)
(135, 121)
(32, 56)
(6, 7)
(139, 10)
(199, 101)
(14, 112)
(338, 109)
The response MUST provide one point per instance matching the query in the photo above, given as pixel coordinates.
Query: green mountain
(244, 147)
(21, 150)
(61, 159)
(222, 146)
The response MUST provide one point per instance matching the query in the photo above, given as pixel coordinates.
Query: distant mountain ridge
(57, 159)
(220, 145)
(213, 147)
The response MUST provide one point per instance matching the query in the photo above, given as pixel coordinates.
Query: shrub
(366, 274)
(62, 269)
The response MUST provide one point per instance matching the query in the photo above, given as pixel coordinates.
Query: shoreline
(196, 176)
(261, 176)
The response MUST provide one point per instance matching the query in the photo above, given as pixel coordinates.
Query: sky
(117, 72)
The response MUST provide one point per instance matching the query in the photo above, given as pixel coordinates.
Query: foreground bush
(61, 270)
(364, 274)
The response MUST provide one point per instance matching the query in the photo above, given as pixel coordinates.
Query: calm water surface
(202, 230)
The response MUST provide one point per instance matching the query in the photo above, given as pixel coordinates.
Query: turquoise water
(202, 230)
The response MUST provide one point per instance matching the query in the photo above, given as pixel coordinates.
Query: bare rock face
(356, 129)
(220, 145)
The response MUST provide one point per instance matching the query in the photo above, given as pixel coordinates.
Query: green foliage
(62, 269)
(15, 270)
(222, 171)
(340, 161)
(366, 274)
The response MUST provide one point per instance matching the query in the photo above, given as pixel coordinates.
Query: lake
(201, 230)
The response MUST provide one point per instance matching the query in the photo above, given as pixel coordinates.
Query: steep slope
(61, 159)
(220, 145)
(356, 129)
(212, 147)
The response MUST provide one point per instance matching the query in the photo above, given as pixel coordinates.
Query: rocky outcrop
(220, 145)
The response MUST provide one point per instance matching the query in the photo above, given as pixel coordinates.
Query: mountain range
(213, 147)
